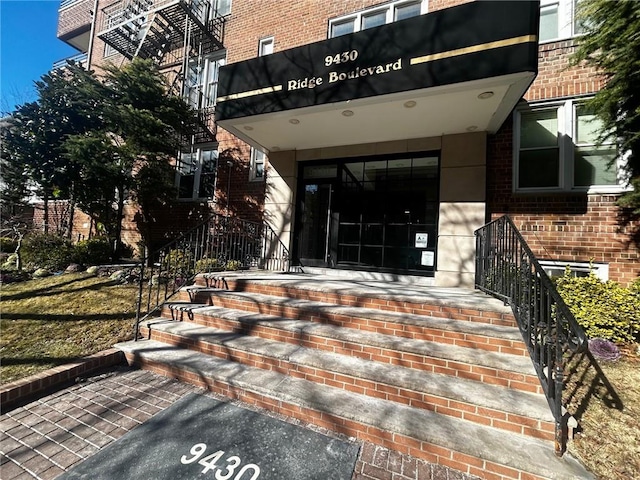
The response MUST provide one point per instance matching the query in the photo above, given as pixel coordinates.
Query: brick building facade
(482, 170)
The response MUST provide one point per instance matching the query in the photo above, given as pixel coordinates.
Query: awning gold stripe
(474, 48)
(250, 93)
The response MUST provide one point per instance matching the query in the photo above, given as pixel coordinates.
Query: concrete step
(455, 303)
(512, 371)
(463, 445)
(464, 333)
(483, 403)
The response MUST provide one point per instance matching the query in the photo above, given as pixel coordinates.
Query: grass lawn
(50, 321)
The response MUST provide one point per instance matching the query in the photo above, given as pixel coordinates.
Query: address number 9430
(226, 471)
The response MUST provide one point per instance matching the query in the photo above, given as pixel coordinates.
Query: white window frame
(197, 174)
(556, 268)
(204, 83)
(257, 158)
(567, 125)
(566, 18)
(266, 46)
(388, 8)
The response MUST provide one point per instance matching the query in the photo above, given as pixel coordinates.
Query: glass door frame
(333, 215)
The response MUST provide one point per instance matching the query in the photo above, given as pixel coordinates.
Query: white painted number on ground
(227, 468)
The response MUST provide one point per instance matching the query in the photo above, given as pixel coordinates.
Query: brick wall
(75, 19)
(565, 226)
(556, 79)
(292, 24)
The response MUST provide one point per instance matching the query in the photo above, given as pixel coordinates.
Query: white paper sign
(421, 240)
(426, 259)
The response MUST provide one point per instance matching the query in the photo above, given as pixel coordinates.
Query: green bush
(604, 309)
(94, 251)
(47, 251)
(178, 261)
(8, 245)
(233, 265)
(208, 265)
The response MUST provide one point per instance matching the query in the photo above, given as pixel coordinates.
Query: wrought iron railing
(217, 244)
(506, 268)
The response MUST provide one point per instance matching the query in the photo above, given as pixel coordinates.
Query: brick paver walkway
(50, 435)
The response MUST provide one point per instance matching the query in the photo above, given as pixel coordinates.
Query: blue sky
(28, 47)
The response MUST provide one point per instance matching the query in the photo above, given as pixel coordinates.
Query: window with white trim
(206, 10)
(196, 172)
(376, 16)
(557, 268)
(201, 82)
(558, 20)
(257, 165)
(265, 46)
(556, 149)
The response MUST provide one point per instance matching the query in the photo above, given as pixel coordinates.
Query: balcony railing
(80, 58)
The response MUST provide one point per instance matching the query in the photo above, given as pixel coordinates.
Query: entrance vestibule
(378, 213)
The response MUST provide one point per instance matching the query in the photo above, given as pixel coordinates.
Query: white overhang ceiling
(481, 105)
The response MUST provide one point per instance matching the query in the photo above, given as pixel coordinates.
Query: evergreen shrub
(47, 251)
(604, 309)
(8, 245)
(94, 251)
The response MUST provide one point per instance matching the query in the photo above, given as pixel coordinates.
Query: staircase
(439, 374)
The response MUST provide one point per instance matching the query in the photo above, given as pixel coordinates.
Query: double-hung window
(196, 173)
(201, 86)
(558, 19)
(556, 149)
(376, 16)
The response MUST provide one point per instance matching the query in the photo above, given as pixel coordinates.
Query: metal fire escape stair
(170, 33)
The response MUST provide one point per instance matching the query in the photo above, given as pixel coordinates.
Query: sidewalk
(48, 436)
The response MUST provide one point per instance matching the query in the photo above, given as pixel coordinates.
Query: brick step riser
(516, 381)
(401, 443)
(484, 416)
(455, 313)
(416, 332)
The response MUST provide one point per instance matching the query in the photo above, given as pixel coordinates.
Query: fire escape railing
(171, 33)
(219, 243)
(507, 269)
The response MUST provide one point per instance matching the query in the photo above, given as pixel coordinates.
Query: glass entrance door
(315, 220)
(375, 214)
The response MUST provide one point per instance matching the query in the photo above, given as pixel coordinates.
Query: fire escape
(174, 34)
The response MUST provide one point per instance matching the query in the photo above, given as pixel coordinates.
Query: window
(222, 7)
(201, 83)
(555, 148)
(556, 268)
(196, 173)
(558, 19)
(257, 165)
(265, 46)
(376, 16)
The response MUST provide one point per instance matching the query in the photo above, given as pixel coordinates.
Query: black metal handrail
(219, 243)
(507, 269)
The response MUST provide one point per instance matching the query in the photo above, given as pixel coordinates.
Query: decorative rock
(41, 273)
(117, 275)
(93, 270)
(8, 266)
(73, 268)
(158, 280)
